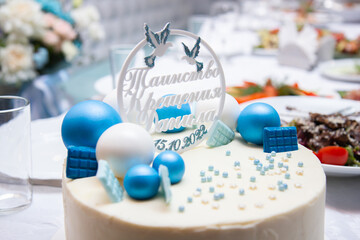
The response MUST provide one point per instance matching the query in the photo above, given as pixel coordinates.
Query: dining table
(44, 218)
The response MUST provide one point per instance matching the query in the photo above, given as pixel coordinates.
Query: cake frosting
(250, 209)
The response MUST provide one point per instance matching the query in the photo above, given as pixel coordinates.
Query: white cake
(261, 212)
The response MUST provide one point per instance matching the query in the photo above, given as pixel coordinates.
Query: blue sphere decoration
(86, 121)
(174, 162)
(254, 118)
(142, 182)
(173, 112)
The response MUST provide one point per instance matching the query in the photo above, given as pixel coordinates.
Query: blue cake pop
(174, 162)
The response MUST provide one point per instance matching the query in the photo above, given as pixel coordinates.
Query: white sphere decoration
(125, 145)
(230, 113)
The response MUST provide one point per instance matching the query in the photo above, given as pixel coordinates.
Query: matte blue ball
(174, 162)
(173, 112)
(86, 121)
(254, 118)
(141, 182)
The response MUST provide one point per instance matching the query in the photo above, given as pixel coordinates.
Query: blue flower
(41, 57)
(54, 7)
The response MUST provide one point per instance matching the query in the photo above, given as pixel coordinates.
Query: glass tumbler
(15, 154)
(118, 55)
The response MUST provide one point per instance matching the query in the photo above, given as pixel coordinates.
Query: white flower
(69, 50)
(96, 31)
(16, 63)
(84, 16)
(22, 17)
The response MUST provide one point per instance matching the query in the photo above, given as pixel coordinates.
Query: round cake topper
(163, 80)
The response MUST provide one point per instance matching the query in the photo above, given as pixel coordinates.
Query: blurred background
(57, 53)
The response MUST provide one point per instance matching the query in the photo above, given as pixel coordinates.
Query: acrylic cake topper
(163, 92)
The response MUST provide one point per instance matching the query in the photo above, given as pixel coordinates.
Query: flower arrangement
(38, 37)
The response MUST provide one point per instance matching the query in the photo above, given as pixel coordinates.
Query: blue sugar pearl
(209, 178)
(222, 195)
(217, 172)
(189, 199)
(266, 168)
(241, 191)
(271, 160)
(225, 174)
(202, 173)
(258, 168)
(260, 164)
(252, 179)
(198, 189)
(300, 164)
(238, 175)
(281, 187)
(273, 153)
(286, 167)
(268, 156)
(228, 153)
(285, 186)
(280, 182)
(271, 166)
(236, 164)
(280, 164)
(211, 189)
(211, 168)
(288, 154)
(203, 179)
(181, 208)
(287, 175)
(262, 172)
(217, 196)
(256, 161)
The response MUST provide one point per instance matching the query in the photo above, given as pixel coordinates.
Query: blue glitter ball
(238, 175)
(228, 153)
(268, 156)
(202, 173)
(286, 167)
(271, 166)
(281, 187)
(260, 164)
(141, 182)
(271, 160)
(181, 208)
(285, 186)
(225, 174)
(266, 168)
(217, 196)
(217, 172)
(222, 195)
(273, 153)
(189, 199)
(198, 189)
(256, 161)
(211, 189)
(203, 179)
(173, 112)
(174, 162)
(258, 168)
(211, 168)
(288, 154)
(300, 164)
(84, 123)
(241, 191)
(254, 118)
(262, 172)
(280, 164)
(209, 178)
(252, 179)
(287, 175)
(280, 182)
(236, 164)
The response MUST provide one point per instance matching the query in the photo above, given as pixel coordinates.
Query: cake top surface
(222, 187)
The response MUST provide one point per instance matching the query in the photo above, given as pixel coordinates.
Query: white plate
(314, 104)
(342, 70)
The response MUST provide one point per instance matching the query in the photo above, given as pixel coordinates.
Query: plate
(342, 70)
(304, 105)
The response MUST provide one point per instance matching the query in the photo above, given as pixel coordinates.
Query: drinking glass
(15, 154)
(118, 55)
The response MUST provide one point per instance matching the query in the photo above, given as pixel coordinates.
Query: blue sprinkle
(288, 154)
(181, 208)
(216, 196)
(202, 173)
(273, 153)
(189, 199)
(281, 187)
(222, 195)
(225, 174)
(252, 179)
(256, 161)
(217, 172)
(287, 175)
(271, 166)
(228, 153)
(203, 179)
(260, 164)
(268, 156)
(236, 164)
(198, 189)
(211, 168)
(238, 175)
(211, 189)
(262, 172)
(258, 168)
(285, 186)
(271, 160)
(241, 191)
(280, 164)
(209, 178)
(266, 168)
(300, 164)
(280, 182)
